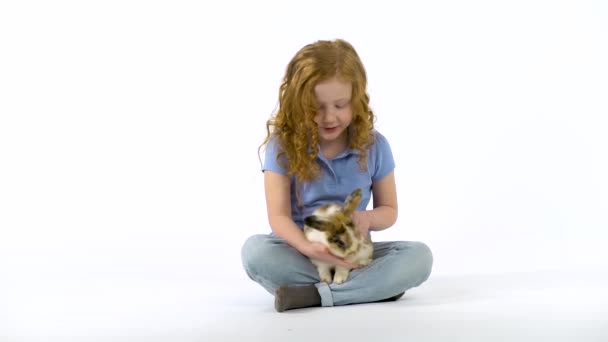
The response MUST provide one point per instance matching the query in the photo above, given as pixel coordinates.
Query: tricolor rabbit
(332, 226)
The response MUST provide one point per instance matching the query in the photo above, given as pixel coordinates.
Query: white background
(129, 129)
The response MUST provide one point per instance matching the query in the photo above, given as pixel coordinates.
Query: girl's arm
(278, 204)
(384, 214)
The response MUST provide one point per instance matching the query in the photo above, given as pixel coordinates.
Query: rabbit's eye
(338, 242)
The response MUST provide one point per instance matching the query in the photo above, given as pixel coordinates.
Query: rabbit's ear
(314, 222)
(352, 202)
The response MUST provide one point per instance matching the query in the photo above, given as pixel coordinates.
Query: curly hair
(293, 122)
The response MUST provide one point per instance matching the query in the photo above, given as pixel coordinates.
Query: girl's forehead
(332, 90)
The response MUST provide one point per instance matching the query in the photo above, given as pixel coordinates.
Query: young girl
(321, 145)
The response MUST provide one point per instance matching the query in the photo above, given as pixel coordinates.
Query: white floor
(553, 306)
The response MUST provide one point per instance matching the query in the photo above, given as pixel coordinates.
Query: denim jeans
(397, 267)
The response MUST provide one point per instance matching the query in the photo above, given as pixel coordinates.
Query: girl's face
(334, 113)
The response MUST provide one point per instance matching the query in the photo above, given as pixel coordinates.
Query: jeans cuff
(325, 292)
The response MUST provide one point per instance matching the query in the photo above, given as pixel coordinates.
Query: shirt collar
(344, 154)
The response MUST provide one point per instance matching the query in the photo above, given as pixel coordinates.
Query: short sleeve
(383, 158)
(270, 157)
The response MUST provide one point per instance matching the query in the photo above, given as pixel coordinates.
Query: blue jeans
(397, 267)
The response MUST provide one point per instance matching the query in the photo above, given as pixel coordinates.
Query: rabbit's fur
(332, 226)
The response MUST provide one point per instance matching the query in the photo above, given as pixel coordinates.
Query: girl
(321, 144)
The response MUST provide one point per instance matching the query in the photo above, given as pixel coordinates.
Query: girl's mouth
(330, 129)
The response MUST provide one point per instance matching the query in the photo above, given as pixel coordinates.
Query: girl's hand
(319, 252)
(362, 222)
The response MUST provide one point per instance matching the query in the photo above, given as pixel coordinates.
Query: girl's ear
(352, 202)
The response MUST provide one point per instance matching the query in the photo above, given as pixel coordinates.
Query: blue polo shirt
(339, 176)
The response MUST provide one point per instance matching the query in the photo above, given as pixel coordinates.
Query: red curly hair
(293, 123)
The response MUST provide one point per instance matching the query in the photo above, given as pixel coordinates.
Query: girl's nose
(329, 115)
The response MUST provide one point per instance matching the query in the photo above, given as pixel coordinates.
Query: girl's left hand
(362, 222)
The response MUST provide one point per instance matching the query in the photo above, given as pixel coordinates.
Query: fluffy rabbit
(332, 226)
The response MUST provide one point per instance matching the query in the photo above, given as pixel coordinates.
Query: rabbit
(332, 226)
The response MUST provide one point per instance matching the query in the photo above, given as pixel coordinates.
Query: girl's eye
(342, 105)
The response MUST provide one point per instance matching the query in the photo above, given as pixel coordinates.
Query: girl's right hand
(315, 250)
